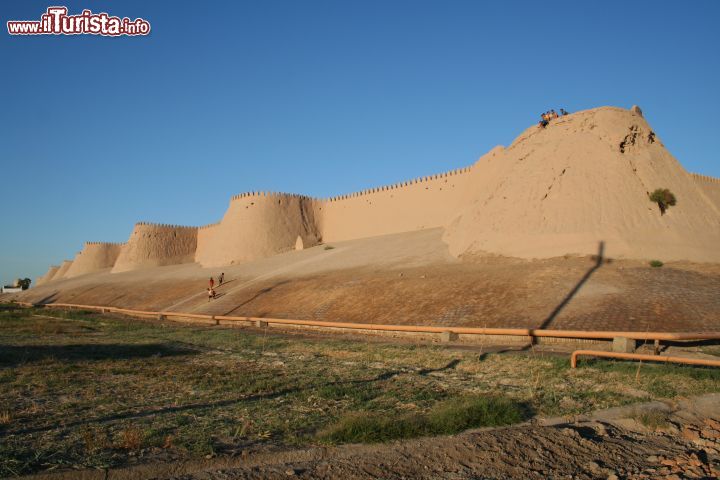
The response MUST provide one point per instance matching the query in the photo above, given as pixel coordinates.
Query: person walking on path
(221, 278)
(211, 282)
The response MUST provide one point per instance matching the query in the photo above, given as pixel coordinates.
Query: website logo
(56, 21)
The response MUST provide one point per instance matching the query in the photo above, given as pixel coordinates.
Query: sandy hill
(583, 180)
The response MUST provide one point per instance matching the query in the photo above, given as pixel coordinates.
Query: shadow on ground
(13, 355)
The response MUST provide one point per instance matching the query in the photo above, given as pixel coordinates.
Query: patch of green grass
(360, 393)
(661, 388)
(654, 419)
(656, 263)
(446, 418)
(460, 414)
(371, 427)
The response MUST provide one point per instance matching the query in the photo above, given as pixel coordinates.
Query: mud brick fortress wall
(154, 245)
(257, 225)
(543, 188)
(93, 257)
(426, 202)
(261, 224)
(710, 187)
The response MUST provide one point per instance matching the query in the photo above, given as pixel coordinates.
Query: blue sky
(314, 97)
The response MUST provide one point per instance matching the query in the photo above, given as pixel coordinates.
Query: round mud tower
(94, 256)
(62, 271)
(258, 226)
(153, 245)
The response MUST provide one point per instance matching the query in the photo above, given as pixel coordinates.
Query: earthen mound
(582, 182)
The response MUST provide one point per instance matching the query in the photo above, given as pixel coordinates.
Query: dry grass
(100, 389)
(131, 439)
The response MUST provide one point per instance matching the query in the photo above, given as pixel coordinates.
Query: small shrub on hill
(656, 263)
(664, 198)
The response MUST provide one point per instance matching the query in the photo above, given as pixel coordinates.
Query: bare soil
(606, 445)
(411, 279)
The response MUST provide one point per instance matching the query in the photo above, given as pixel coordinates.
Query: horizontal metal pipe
(517, 332)
(186, 315)
(520, 332)
(642, 356)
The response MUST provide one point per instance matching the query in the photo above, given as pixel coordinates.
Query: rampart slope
(93, 257)
(258, 225)
(154, 245)
(583, 180)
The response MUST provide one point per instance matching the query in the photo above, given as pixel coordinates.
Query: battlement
(369, 191)
(268, 194)
(399, 185)
(164, 226)
(706, 178)
(108, 244)
(209, 225)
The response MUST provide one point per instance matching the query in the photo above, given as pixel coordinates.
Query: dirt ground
(87, 395)
(686, 447)
(669, 440)
(411, 279)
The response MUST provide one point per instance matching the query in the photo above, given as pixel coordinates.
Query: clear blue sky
(315, 97)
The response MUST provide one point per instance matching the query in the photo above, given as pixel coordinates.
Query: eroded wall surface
(154, 245)
(582, 183)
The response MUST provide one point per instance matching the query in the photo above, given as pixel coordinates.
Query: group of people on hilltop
(551, 115)
(211, 288)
